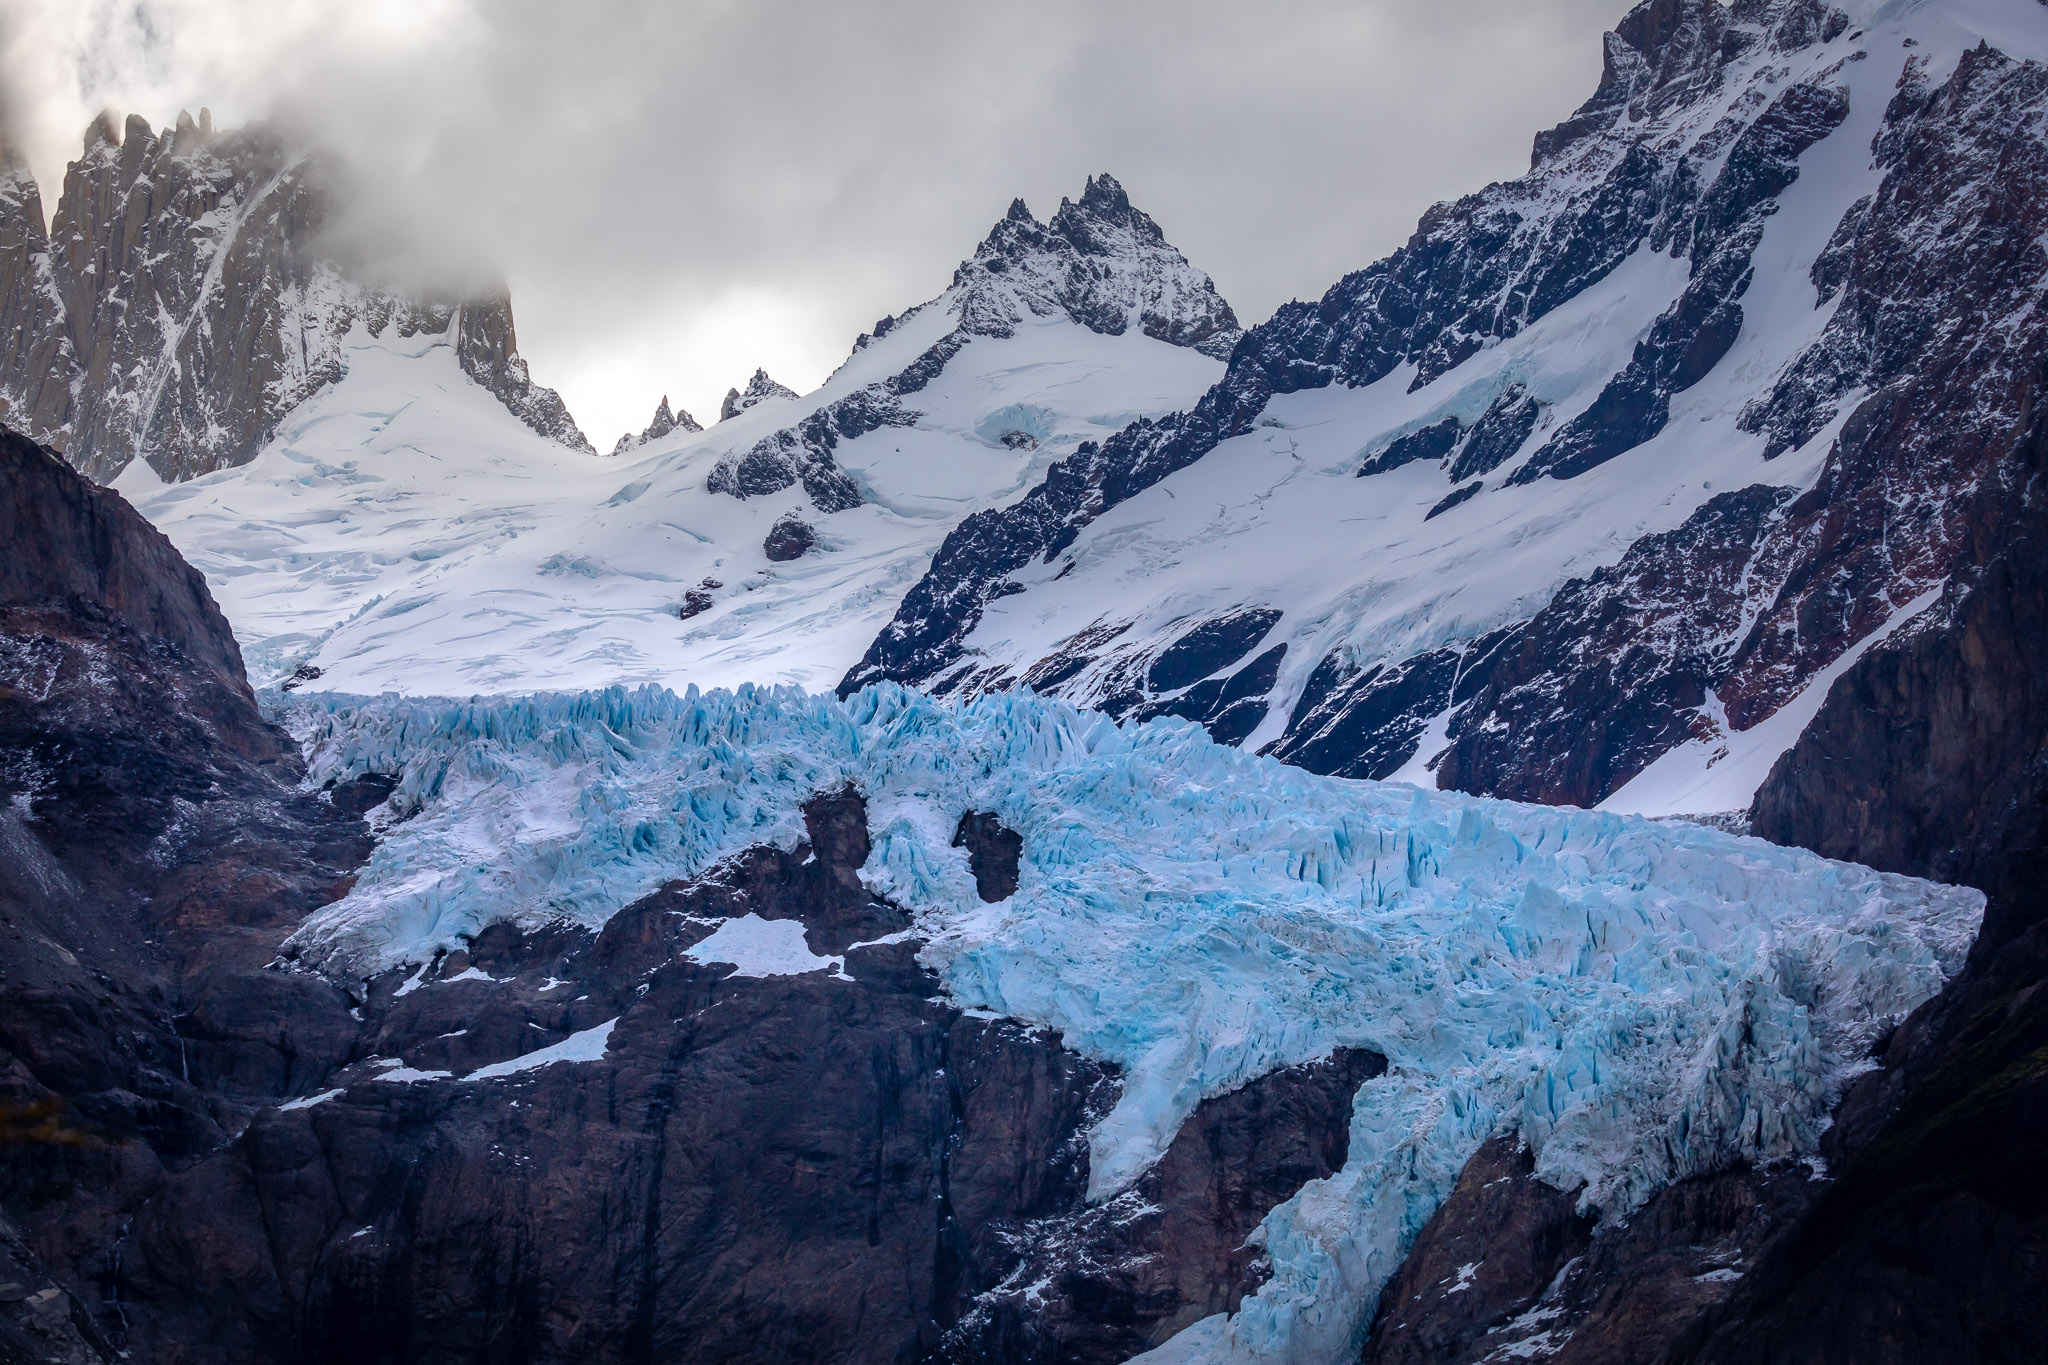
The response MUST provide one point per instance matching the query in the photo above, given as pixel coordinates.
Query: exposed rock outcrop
(791, 537)
(1507, 1269)
(1101, 262)
(1102, 1283)
(993, 851)
(75, 547)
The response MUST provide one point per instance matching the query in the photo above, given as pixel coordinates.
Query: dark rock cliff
(74, 546)
(1930, 756)
(153, 852)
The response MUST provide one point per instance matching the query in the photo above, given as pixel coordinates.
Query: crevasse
(1643, 1001)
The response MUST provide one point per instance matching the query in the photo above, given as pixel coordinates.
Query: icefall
(1643, 1001)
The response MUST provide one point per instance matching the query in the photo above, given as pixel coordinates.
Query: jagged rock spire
(665, 422)
(1103, 263)
(759, 388)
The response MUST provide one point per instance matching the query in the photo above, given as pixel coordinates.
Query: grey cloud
(677, 193)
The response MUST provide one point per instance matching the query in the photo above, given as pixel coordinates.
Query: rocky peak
(664, 422)
(33, 341)
(190, 133)
(1100, 262)
(184, 300)
(759, 389)
(1666, 54)
(103, 131)
(1104, 205)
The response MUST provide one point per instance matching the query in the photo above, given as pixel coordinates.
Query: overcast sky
(678, 192)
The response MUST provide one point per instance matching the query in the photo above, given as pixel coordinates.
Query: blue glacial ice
(1643, 1001)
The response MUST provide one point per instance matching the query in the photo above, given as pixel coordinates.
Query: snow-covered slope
(1642, 1001)
(403, 532)
(1610, 463)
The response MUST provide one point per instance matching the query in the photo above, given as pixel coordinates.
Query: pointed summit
(103, 130)
(1103, 195)
(663, 424)
(1103, 263)
(759, 389)
(1103, 213)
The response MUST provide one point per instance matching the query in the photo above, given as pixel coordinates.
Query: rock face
(1106, 1282)
(1507, 1269)
(664, 422)
(153, 851)
(791, 537)
(1100, 262)
(187, 296)
(1901, 367)
(71, 544)
(803, 453)
(992, 854)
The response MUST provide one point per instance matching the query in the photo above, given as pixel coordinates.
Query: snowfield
(405, 531)
(1643, 1001)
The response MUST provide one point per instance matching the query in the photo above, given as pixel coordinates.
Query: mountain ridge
(764, 548)
(185, 299)
(1709, 120)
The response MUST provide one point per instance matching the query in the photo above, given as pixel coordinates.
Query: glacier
(1643, 1001)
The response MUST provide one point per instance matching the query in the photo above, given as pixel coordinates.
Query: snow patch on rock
(763, 947)
(586, 1046)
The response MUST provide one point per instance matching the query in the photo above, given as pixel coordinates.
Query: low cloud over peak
(680, 193)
